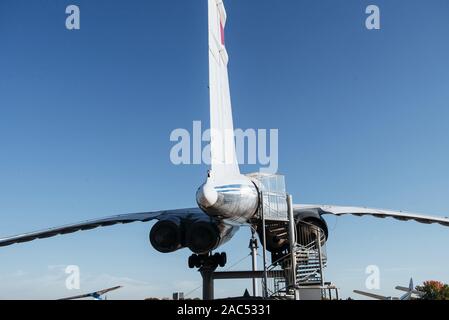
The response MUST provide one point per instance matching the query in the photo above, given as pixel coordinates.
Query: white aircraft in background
(95, 295)
(409, 292)
(228, 199)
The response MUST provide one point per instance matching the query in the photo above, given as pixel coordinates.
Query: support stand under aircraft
(300, 265)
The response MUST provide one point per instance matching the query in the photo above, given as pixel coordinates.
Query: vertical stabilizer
(223, 154)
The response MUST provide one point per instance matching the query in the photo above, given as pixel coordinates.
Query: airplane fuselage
(236, 201)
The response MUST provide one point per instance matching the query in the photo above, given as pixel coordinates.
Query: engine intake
(308, 225)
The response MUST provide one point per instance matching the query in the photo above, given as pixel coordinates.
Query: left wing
(378, 213)
(92, 224)
(102, 292)
(96, 294)
(82, 296)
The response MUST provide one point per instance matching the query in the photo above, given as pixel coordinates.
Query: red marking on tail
(222, 34)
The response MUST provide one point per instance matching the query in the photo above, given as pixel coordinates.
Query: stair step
(278, 229)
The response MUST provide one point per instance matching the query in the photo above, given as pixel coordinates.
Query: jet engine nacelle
(167, 235)
(201, 234)
(308, 230)
(307, 225)
(309, 217)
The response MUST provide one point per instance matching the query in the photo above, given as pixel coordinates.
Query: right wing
(378, 213)
(92, 224)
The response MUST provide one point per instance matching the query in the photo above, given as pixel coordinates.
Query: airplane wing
(102, 292)
(371, 295)
(378, 213)
(82, 296)
(93, 294)
(406, 297)
(92, 224)
(402, 288)
(414, 291)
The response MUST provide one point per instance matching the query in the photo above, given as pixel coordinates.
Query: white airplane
(228, 199)
(409, 292)
(95, 295)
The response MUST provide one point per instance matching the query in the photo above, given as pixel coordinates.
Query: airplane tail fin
(409, 291)
(223, 155)
(410, 288)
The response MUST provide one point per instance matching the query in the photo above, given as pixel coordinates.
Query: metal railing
(311, 258)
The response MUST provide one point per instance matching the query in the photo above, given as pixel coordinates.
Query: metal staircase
(297, 265)
(309, 264)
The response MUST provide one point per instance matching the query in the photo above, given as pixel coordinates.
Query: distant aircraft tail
(407, 289)
(410, 290)
(223, 155)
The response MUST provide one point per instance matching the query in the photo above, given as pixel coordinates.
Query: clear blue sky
(85, 119)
